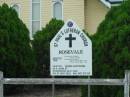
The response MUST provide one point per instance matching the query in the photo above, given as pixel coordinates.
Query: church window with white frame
(58, 9)
(35, 16)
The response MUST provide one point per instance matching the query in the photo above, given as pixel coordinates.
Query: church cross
(70, 38)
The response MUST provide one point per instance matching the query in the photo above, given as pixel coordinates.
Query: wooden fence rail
(67, 81)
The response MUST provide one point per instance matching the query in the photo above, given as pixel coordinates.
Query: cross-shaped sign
(70, 38)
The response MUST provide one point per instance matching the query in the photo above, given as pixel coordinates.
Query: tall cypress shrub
(41, 45)
(111, 50)
(16, 54)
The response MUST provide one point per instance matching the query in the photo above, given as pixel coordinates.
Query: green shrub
(16, 55)
(111, 50)
(41, 45)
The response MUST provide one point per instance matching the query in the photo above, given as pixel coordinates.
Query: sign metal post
(89, 89)
(53, 88)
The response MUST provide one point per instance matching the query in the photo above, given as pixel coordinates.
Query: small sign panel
(71, 52)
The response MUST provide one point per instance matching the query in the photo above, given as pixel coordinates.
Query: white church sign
(71, 52)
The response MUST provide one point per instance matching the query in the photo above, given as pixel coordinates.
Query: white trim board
(109, 3)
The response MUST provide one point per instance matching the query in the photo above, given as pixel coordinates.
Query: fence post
(1, 84)
(127, 83)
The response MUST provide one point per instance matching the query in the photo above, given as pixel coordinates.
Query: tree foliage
(111, 50)
(16, 55)
(41, 45)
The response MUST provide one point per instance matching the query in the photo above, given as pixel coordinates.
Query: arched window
(16, 8)
(57, 10)
(35, 16)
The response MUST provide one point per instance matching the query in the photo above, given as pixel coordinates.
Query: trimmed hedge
(111, 50)
(41, 45)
